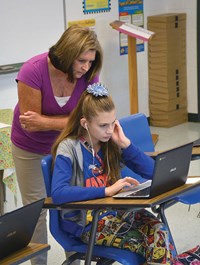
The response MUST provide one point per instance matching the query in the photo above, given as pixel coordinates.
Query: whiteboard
(28, 27)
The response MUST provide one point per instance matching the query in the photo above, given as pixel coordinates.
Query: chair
(190, 197)
(101, 254)
(136, 128)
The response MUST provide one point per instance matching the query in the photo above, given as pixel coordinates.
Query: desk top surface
(24, 254)
(196, 150)
(123, 203)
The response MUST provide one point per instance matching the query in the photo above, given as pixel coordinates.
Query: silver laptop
(17, 227)
(170, 171)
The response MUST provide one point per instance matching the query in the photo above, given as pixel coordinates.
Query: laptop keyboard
(140, 193)
(134, 190)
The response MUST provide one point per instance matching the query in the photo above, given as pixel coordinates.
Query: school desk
(98, 205)
(24, 254)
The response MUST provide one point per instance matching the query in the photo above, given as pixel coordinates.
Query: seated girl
(88, 156)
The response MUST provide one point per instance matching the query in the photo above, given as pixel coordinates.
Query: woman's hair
(73, 42)
(89, 106)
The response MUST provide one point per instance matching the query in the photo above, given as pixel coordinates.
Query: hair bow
(98, 90)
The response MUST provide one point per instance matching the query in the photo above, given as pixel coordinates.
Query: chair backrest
(54, 225)
(137, 129)
(191, 196)
(47, 174)
(70, 243)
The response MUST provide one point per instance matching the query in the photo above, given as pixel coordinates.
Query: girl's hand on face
(119, 185)
(119, 137)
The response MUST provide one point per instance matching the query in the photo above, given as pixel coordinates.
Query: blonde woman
(49, 87)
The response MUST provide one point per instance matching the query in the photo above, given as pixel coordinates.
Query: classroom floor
(184, 221)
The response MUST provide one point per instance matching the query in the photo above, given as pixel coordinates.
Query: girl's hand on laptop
(119, 185)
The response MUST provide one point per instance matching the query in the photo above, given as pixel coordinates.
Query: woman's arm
(30, 107)
(29, 98)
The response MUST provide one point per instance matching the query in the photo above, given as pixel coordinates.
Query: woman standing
(49, 87)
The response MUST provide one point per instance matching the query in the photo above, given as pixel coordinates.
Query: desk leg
(2, 193)
(88, 257)
(164, 220)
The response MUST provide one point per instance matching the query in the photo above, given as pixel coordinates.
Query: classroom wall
(45, 28)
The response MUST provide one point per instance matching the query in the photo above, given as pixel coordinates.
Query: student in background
(88, 155)
(49, 87)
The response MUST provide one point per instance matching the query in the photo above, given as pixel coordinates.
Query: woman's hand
(119, 137)
(119, 185)
(31, 121)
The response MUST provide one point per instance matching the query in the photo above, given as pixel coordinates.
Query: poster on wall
(131, 12)
(96, 6)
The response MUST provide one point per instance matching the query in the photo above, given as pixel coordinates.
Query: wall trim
(193, 117)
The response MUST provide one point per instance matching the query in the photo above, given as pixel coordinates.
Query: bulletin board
(130, 12)
(96, 6)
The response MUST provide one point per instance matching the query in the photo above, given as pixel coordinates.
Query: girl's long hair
(88, 107)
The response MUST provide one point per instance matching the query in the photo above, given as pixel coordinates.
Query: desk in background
(7, 171)
(196, 152)
(109, 203)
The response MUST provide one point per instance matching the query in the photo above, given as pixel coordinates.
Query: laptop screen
(170, 171)
(17, 227)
